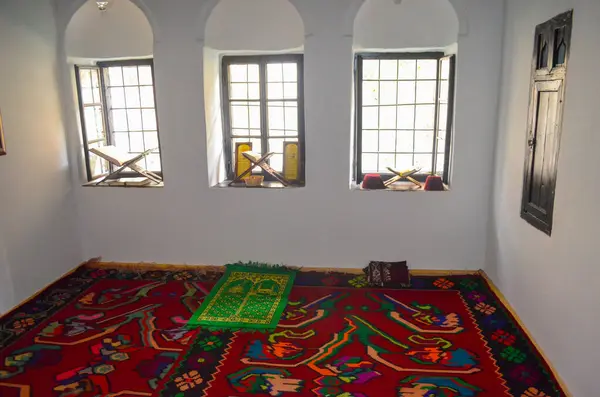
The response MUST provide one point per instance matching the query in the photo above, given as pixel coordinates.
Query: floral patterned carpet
(104, 331)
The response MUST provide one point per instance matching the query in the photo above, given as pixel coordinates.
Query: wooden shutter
(549, 67)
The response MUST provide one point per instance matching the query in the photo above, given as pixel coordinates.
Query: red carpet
(122, 333)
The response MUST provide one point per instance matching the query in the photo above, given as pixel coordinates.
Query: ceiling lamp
(102, 5)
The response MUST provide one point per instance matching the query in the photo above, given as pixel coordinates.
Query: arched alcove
(114, 79)
(122, 31)
(406, 24)
(258, 25)
(241, 27)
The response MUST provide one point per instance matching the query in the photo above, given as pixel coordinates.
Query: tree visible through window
(404, 113)
(118, 108)
(263, 104)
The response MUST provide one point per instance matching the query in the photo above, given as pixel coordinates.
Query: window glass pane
(136, 140)
(121, 140)
(96, 95)
(253, 91)
(386, 160)
(276, 118)
(370, 141)
(425, 117)
(145, 75)
(423, 161)
(115, 76)
(254, 116)
(423, 141)
(426, 91)
(274, 72)
(387, 141)
(147, 97)
(406, 117)
(94, 127)
(407, 69)
(370, 117)
(86, 96)
(369, 163)
(387, 92)
(427, 69)
(239, 116)
(119, 120)
(276, 161)
(370, 69)
(404, 141)
(149, 119)
(134, 118)
(130, 76)
(388, 69)
(290, 72)
(404, 162)
(387, 117)
(275, 90)
(370, 93)
(238, 91)
(116, 97)
(132, 97)
(253, 73)
(276, 145)
(291, 118)
(151, 139)
(290, 90)
(238, 73)
(406, 92)
(439, 168)
(85, 78)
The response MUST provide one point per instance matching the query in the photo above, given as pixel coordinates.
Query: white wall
(411, 24)
(325, 223)
(262, 25)
(122, 31)
(553, 282)
(38, 241)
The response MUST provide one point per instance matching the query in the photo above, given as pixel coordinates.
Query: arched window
(404, 86)
(112, 54)
(256, 48)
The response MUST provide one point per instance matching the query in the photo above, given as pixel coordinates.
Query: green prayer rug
(247, 297)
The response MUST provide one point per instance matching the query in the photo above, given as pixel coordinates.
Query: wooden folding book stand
(122, 160)
(256, 160)
(400, 175)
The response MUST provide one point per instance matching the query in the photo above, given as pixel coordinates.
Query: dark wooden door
(549, 66)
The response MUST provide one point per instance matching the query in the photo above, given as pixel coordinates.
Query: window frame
(262, 61)
(358, 175)
(100, 66)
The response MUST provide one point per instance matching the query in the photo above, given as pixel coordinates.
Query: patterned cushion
(388, 274)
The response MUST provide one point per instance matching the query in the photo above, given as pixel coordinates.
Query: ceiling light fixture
(102, 5)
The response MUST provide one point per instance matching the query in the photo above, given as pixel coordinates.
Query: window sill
(265, 185)
(151, 185)
(398, 187)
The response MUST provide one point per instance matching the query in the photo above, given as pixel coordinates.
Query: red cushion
(373, 181)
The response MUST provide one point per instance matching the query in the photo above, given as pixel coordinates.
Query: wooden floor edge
(162, 266)
(50, 284)
(512, 311)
